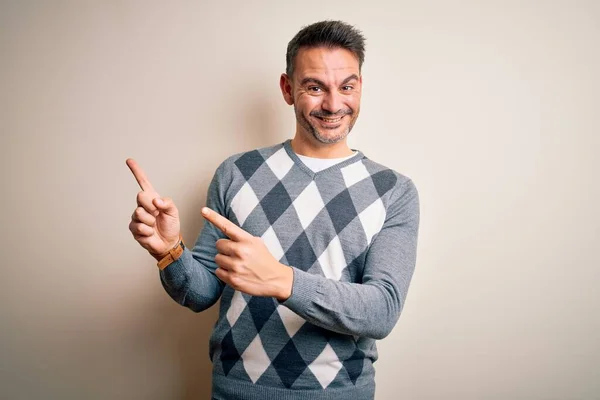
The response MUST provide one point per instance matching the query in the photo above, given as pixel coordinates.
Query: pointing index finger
(140, 175)
(231, 230)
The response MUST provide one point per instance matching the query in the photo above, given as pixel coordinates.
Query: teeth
(331, 120)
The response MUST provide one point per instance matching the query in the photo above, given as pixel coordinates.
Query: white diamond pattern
(272, 243)
(354, 173)
(280, 163)
(235, 308)
(332, 260)
(372, 219)
(326, 366)
(243, 203)
(308, 204)
(292, 321)
(256, 361)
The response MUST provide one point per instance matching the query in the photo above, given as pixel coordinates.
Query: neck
(316, 149)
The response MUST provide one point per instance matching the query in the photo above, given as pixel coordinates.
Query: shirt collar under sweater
(336, 163)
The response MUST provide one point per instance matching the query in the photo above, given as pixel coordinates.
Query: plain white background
(491, 107)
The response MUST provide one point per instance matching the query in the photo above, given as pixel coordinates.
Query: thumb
(166, 205)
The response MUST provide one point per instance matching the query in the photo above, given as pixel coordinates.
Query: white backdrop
(491, 107)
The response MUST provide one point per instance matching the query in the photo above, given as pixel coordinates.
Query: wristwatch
(172, 255)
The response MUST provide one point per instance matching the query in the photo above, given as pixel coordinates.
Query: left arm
(367, 309)
(371, 308)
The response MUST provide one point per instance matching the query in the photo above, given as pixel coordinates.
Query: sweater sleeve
(371, 308)
(191, 280)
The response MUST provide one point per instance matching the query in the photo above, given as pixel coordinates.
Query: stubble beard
(314, 131)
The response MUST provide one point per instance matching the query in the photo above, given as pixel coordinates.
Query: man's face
(325, 90)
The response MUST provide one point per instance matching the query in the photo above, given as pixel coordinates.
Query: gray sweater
(349, 233)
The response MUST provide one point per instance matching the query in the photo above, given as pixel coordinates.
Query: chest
(325, 232)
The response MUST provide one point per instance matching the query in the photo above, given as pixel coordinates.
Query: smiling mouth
(330, 120)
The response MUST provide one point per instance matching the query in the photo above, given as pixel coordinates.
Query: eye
(347, 88)
(315, 89)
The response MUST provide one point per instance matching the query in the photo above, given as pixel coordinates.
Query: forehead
(325, 63)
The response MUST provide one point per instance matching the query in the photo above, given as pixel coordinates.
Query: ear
(285, 83)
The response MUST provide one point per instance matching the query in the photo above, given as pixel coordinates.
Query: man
(309, 244)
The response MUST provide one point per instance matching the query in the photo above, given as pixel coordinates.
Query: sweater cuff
(306, 290)
(174, 274)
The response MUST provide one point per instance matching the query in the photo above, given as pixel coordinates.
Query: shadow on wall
(188, 332)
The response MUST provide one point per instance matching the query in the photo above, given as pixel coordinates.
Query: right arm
(190, 280)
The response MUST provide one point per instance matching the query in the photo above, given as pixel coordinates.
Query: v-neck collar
(287, 145)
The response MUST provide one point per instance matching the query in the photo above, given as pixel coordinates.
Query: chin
(332, 137)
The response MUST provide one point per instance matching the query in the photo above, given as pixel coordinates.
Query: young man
(309, 244)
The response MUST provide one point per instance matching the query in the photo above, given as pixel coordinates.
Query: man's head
(327, 34)
(323, 79)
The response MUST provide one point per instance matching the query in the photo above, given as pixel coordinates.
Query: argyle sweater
(349, 232)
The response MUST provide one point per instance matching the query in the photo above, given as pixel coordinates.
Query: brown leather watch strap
(172, 255)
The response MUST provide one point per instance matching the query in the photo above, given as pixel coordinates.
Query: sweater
(349, 232)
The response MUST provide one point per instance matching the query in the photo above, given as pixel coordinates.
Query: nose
(333, 102)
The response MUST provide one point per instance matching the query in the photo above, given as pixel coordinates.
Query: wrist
(171, 246)
(174, 251)
(286, 283)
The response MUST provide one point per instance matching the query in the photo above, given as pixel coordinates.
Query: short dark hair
(330, 34)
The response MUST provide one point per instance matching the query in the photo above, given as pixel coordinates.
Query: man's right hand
(155, 222)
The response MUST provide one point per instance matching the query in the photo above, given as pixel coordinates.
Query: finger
(144, 199)
(229, 278)
(230, 230)
(225, 246)
(141, 215)
(166, 205)
(140, 175)
(144, 241)
(222, 275)
(141, 238)
(137, 228)
(224, 262)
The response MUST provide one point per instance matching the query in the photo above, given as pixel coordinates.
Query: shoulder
(389, 181)
(248, 161)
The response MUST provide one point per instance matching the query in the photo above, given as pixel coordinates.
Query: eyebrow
(321, 83)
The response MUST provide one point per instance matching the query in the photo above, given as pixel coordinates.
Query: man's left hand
(246, 264)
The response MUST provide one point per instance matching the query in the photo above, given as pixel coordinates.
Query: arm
(191, 280)
(371, 308)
